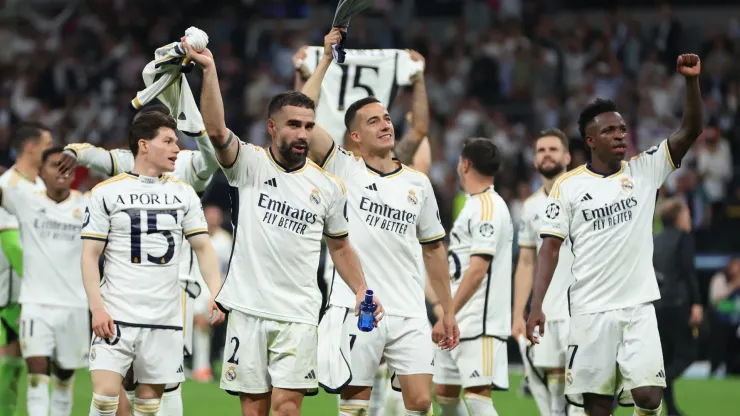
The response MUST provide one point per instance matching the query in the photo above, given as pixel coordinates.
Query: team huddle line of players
(587, 230)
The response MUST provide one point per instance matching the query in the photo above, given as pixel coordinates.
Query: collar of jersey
(19, 173)
(601, 175)
(281, 166)
(137, 176)
(381, 174)
(490, 188)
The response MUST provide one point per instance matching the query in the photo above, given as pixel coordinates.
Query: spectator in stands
(724, 296)
(714, 167)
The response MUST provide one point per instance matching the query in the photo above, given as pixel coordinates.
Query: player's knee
(62, 374)
(647, 397)
(446, 390)
(38, 365)
(483, 391)
(286, 408)
(419, 402)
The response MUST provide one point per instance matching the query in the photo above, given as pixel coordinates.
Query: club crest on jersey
(93, 354)
(230, 374)
(314, 197)
(413, 200)
(627, 184)
(569, 378)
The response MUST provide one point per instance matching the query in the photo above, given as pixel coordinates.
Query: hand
(450, 334)
(688, 65)
(299, 57)
(536, 319)
(416, 57)
(204, 59)
(379, 311)
(333, 38)
(102, 323)
(67, 163)
(215, 313)
(518, 327)
(697, 315)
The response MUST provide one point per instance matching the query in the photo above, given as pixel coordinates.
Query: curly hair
(593, 110)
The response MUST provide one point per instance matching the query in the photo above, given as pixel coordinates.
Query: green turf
(695, 397)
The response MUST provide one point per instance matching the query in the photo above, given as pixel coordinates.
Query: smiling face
(606, 136)
(372, 129)
(289, 128)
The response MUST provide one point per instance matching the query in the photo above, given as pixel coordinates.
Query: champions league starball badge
(552, 211)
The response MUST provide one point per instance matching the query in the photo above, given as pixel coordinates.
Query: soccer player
(545, 362)
(283, 204)
(605, 208)
(480, 270)
(54, 320)
(138, 221)
(30, 140)
(394, 209)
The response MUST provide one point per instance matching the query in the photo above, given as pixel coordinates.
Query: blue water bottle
(367, 308)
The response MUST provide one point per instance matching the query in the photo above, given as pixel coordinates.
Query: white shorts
(155, 354)
(550, 352)
(262, 353)
(478, 362)
(405, 343)
(613, 351)
(58, 332)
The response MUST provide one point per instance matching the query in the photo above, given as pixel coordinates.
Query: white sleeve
(556, 216)
(186, 170)
(194, 222)
(655, 163)
(7, 221)
(96, 222)
(341, 163)
(527, 236)
(105, 162)
(429, 227)
(15, 200)
(335, 224)
(485, 229)
(407, 68)
(238, 173)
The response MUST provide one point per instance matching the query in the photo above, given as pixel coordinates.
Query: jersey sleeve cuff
(343, 234)
(552, 234)
(528, 245)
(91, 236)
(434, 239)
(483, 253)
(195, 232)
(236, 159)
(668, 155)
(328, 156)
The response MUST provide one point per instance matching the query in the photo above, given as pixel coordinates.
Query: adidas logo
(310, 376)
(271, 182)
(475, 374)
(432, 362)
(181, 116)
(586, 197)
(372, 187)
(180, 370)
(661, 374)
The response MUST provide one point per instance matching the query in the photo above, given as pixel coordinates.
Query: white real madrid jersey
(50, 235)
(555, 304)
(483, 228)
(389, 216)
(10, 282)
(366, 72)
(609, 221)
(144, 221)
(279, 218)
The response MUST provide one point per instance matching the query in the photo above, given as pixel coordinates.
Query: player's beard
(551, 172)
(291, 157)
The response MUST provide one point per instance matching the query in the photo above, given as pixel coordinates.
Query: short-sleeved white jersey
(144, 221)
(50, 235)
(483, 228)
(10, 282)
(609, 221)
(366, 72)
(555, 304)
(389, 215)
(279, 218)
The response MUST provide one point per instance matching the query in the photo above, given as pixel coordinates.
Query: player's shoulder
(661, 148)
(6, 177)
(325, 177)
(485, 205)
(535, 200)
(110, 183)
(569, 180)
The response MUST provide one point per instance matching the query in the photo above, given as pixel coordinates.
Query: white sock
(451, 406)
(539, 391)
(556, 385)
(393, 400)
(171, 403)
(37, 396)
(103, 406)
(377, 396)
(202, 349)
(146, 407)
(427, 412)
(648, 412)
(479, 405)
(131, 396)
(353, 407)
(62, 397)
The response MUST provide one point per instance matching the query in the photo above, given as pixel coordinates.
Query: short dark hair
(289, 98)
(146, 125)
(25, 132)
(50, 151)
(154, 108)
(593, 110)
(557, 133)
(483, 154)
(351, 113)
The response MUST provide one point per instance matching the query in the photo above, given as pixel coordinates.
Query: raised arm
(691, 127)
(301, 73)
(320, 139)
(84, 154)
(212, 108)
(406, 148)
